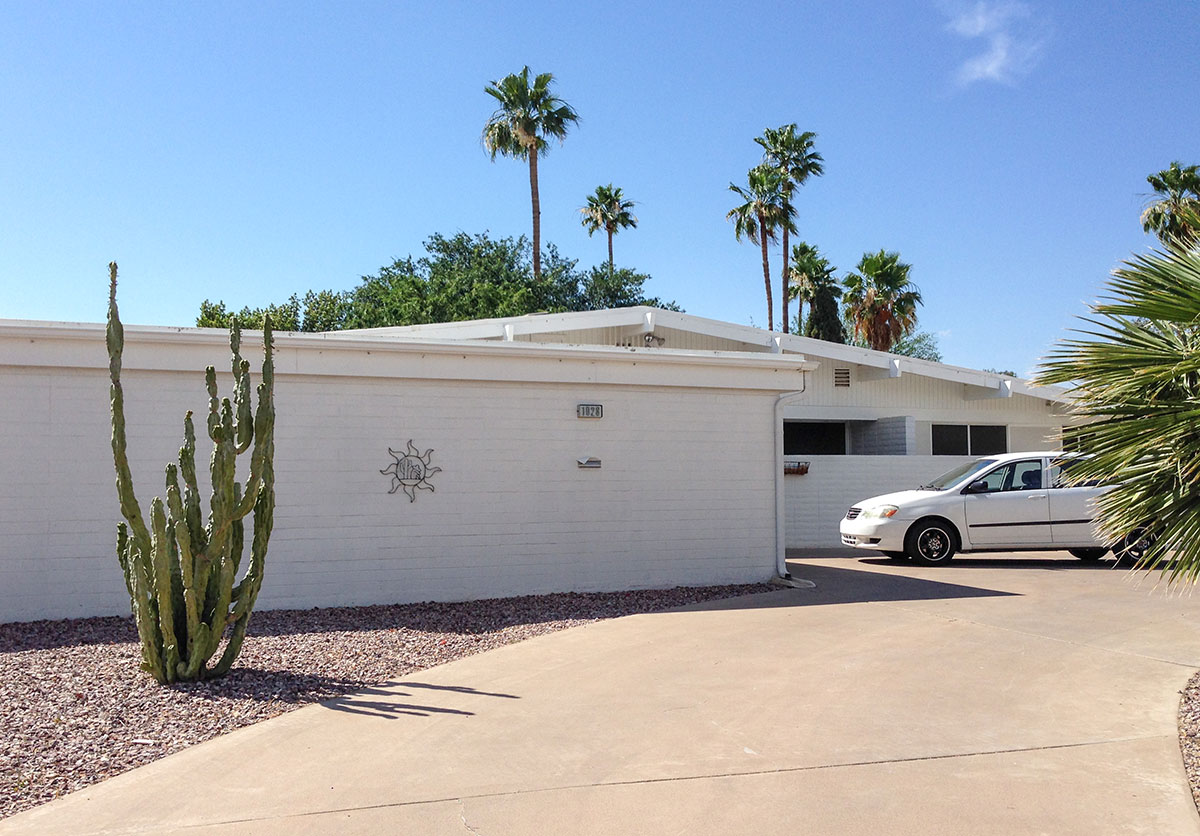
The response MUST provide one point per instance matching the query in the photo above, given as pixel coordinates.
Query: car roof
(1034, 454)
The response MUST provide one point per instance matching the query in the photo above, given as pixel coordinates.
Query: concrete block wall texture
(882, 437)
(684, 496)
(817, 501)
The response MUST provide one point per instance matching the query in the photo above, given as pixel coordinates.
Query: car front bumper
(874, 533)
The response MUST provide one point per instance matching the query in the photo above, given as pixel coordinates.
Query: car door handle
(1037, 496)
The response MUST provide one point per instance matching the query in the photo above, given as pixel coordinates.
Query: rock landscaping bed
(75, 708)
(1189, 734)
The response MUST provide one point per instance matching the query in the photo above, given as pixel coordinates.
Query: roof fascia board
(26, 343)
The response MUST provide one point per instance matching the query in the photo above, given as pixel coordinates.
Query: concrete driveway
(1000, 694)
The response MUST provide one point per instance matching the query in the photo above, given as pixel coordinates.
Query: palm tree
(1134, 379)
(763, 211)
(812, 281)
(796, 160)
(880, 302)
(824, 319)
(527, 116)
(1168, 218)
(608, 209)
(807, 264)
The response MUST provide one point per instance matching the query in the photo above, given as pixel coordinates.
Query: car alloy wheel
(931, 544)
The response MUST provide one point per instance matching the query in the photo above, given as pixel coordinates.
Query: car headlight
(880, 512)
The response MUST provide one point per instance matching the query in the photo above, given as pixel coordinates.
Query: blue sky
(245, 152)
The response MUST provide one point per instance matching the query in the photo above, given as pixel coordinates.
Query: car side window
(998, 479)
(1015, 476)
(1027, 476)
(1060, 476)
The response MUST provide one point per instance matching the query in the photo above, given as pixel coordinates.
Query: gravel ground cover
(1189, 734)
(75, 708)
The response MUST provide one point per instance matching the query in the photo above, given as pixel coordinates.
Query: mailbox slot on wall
(589, 461)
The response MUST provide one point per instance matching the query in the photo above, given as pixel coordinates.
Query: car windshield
(957, 475)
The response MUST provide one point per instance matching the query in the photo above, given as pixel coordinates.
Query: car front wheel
(930, 543)
(1133, 548)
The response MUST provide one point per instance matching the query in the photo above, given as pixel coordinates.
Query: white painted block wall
(817, 501)
(684, 497)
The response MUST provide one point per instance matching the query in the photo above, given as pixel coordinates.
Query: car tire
(1134, 546)
(930, 542)
(901, 556)
(1088, 555)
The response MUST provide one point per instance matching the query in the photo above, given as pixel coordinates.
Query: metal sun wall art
(410, 471)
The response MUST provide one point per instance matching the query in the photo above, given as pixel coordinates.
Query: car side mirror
(978, 486)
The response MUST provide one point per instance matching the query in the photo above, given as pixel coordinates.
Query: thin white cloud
(1013, 40)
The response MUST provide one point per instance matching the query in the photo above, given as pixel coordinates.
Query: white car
(1009, 502)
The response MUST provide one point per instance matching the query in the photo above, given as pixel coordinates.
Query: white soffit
(873, 365)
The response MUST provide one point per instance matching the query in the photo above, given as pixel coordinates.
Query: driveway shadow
(385, 700)
(835, 585)
(857, 586)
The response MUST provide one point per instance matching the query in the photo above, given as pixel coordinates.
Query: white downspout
(780, 506)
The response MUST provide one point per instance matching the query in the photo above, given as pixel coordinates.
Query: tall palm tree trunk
(537, 214)
(783, 299)
(762, 237)
(610, 257)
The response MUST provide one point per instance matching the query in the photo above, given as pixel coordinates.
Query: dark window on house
(988, 440)
(814, 438)
(950, 440)
(973, 440)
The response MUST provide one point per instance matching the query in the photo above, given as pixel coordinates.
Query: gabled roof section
(654, 327)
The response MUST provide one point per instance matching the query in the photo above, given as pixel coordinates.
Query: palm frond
(1134, 380)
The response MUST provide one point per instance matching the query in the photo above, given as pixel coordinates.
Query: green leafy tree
(608, 209)
(880, 301)
(920, 344)
(1172, 217)
(322, 310)
(794, 156)
(459, 277)
(1133, 373)
(763, 211)
(527, 116)
(601, 289)
(284, 317)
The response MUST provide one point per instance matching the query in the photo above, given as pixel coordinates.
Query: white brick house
(680, 481)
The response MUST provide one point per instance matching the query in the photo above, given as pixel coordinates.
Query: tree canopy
(460, 277)
(608, 209)
(1174, 215)
(526, 117)
(763, 211)
(880, 301)
(794, 156)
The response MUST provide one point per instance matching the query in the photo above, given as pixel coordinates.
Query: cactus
(182, 573)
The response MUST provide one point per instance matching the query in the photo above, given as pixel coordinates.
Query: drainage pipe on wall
(786, 399)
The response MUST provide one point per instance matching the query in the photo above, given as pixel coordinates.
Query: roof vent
(841, 378)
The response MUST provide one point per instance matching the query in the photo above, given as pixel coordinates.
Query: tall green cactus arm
(115, 341)
(181, 573)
